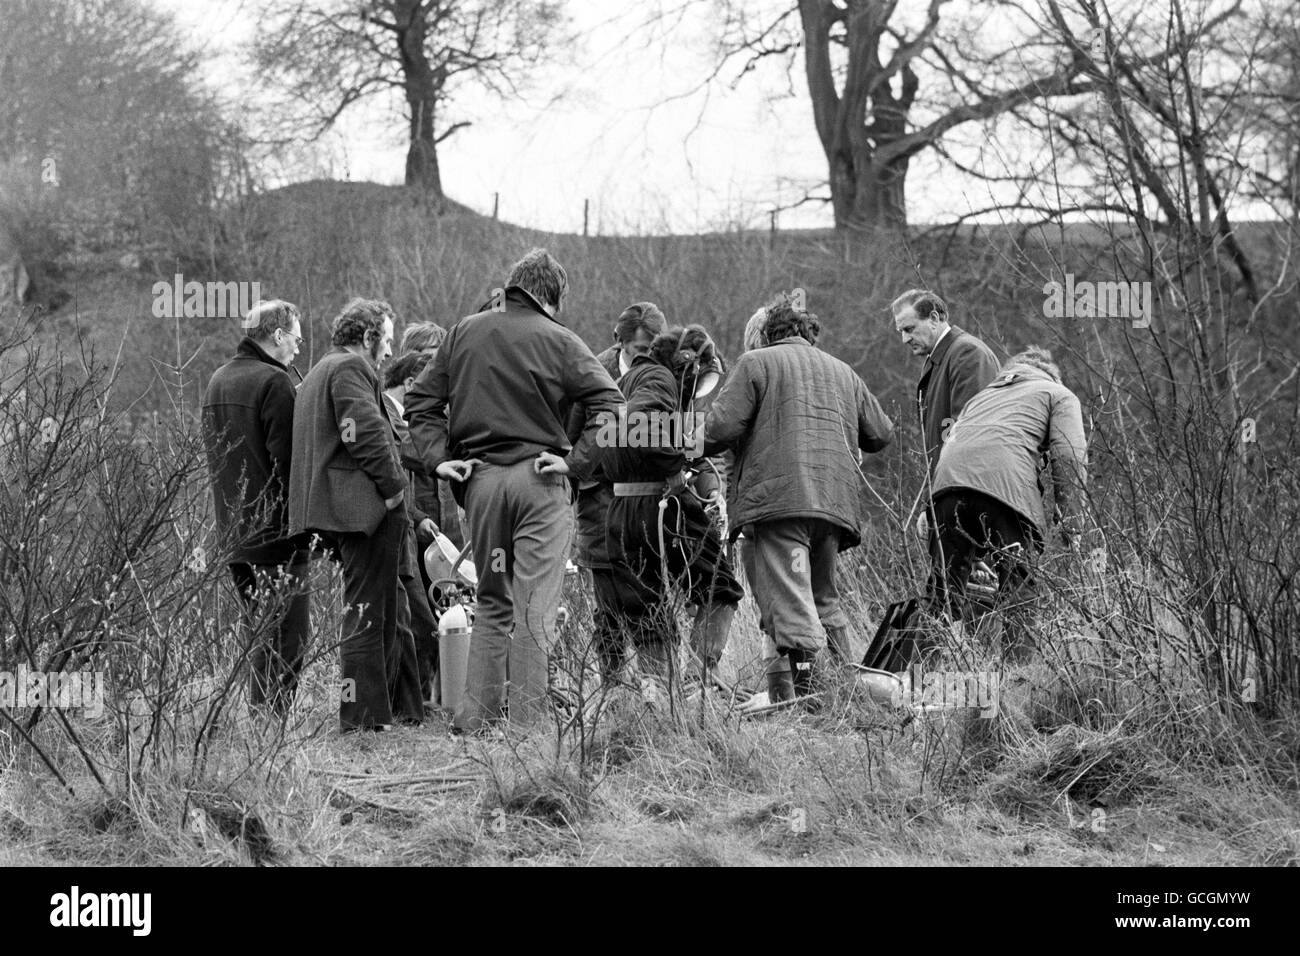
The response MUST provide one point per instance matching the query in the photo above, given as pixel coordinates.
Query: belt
(639, 489)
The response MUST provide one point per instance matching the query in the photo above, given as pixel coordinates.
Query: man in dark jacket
(658, 529)
(416, 615)
(432, 495)
(957, 365)
(796, 418)
(347, 485)
(248, 431)
(633, 333)
(512, 374)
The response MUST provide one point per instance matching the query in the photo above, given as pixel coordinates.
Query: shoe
(779, 685)
(801, 670)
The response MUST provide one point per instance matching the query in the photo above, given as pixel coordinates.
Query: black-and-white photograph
(819, 433)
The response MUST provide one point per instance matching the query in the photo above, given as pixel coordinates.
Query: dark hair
(266, 317)
(785, 321)
(639, 316)
(410, 364)
(685, 352)
(926, 303)
(422, 335)
(541, 275)
(357, 318)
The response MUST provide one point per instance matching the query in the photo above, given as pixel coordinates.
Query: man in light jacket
(796, 418)
(987, 500)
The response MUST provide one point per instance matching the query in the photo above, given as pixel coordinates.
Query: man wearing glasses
(248, 432)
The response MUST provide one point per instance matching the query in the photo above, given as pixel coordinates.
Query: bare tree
(333, 54)
(888, 81)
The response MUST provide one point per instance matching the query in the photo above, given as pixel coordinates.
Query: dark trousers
(381, 681)
(606, 635)
(416, 615)
(970, 527)
(693, 559)
(277, 616)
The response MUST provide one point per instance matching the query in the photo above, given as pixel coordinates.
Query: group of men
(513, 415)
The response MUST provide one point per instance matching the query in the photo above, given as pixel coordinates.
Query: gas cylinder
(455, 627)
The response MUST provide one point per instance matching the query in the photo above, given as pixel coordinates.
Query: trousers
(278, 592)
(381, 681)
(794, 564)
(520, 525)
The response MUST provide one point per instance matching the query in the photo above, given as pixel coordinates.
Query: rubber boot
(779, 686)
(837, 642)
(709, 632)
(801, 670)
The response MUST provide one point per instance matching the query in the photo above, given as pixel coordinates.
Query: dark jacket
(594, 493)
(646, 450)
(248, 431)
(796, 418)
(411, 462)
(996, 445)
(959, 366)
(512, 378)
(345, 462)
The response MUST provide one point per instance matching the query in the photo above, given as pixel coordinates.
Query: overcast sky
(626, 133)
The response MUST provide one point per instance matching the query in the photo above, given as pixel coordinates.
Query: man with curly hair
(347, 487)
(796, 419)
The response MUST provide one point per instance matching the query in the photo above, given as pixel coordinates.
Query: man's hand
(427, 528)
(677, 483)
(457, 470)
(923, 524)
(393, 502)
(547, 463)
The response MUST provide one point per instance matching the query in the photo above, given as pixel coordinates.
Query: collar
(941, 347)
(791, 340)
(526, 298)
(247, 348)
(397, 404)
(623, 366)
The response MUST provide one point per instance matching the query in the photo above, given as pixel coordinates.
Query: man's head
(423, 337)
(784, 321)
(365, 326)
(1036, 357)
(401, 374)
(921, 318)
(541, 275)
(276, 326)
(637, 327)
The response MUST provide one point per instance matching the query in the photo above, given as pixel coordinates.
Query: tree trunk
(422, 85)
(856, 124)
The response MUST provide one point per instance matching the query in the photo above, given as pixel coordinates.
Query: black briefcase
(899, 640)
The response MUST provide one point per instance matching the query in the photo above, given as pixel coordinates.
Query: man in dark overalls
(658, 529)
